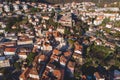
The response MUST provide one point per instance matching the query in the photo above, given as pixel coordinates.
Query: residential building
(10, 51)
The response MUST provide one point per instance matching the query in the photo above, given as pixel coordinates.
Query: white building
(22, 55)
(4, 62)
(16, 7)
(10, 51)
(24, 42)
(108, 26)
(25, 7)
(6, 8)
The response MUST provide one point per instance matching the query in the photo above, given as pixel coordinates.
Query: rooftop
(10, 49)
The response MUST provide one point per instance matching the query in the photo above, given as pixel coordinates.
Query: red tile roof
(25, 73)
(10, 49)
(56, 51)
(67, 54)
(34, 71)
(57, 74)
(42, 57)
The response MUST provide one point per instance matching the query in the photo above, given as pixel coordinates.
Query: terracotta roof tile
(22, 53)
(42, 57)
(67, 54)
(56, 51)
(57, 74)
(33, 71)
(10, 49)
(25, 73)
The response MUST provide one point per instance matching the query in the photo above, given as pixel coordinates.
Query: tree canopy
(30, 58)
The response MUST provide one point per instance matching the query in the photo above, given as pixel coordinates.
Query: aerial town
(71, 41)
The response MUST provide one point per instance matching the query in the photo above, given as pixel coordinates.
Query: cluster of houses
(50, 64)
(19, 8)
(53, 48)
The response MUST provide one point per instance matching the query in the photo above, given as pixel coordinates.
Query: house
(61, 30)
(56, 34)
(25, 6)
(24, 75)
(1, 50)
(47, 46)
(51, 65)
(92, 38)
(98, 76)
(79, 58)
(16, 7)
(4, 62)
(45, 74)
(1, 10)
(108, 26)
(86, 42)
(48, 34)
(98, 42)
(42, 58)
(71, 66)
(10, 34)
(4, 14)
(34, 23)
(10, 44)
(117, 29)
(27, 50)
(10, 51)
(97, 22)
(56, 52)
(3, 25)
(116, 75)
(50, 29)
(30, 20)
(63, 60)
(45, 17)
(6, 8)
(22, 55)
(60, 39)
(14, 38)
(17, 2)
(35, 48)
(36, 19)
(24, 41)
(112, 18)
(33, 74)
(66, 20)
(78, 48)
(57, 74)
(90, 28)
(67, 54)
(111, 45)
(55, 55)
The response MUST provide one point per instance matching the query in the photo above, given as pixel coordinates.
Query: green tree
(67, 31)
(105, 21)
(33, 10)
(30, 58)
(17, 65)
(117, 23)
